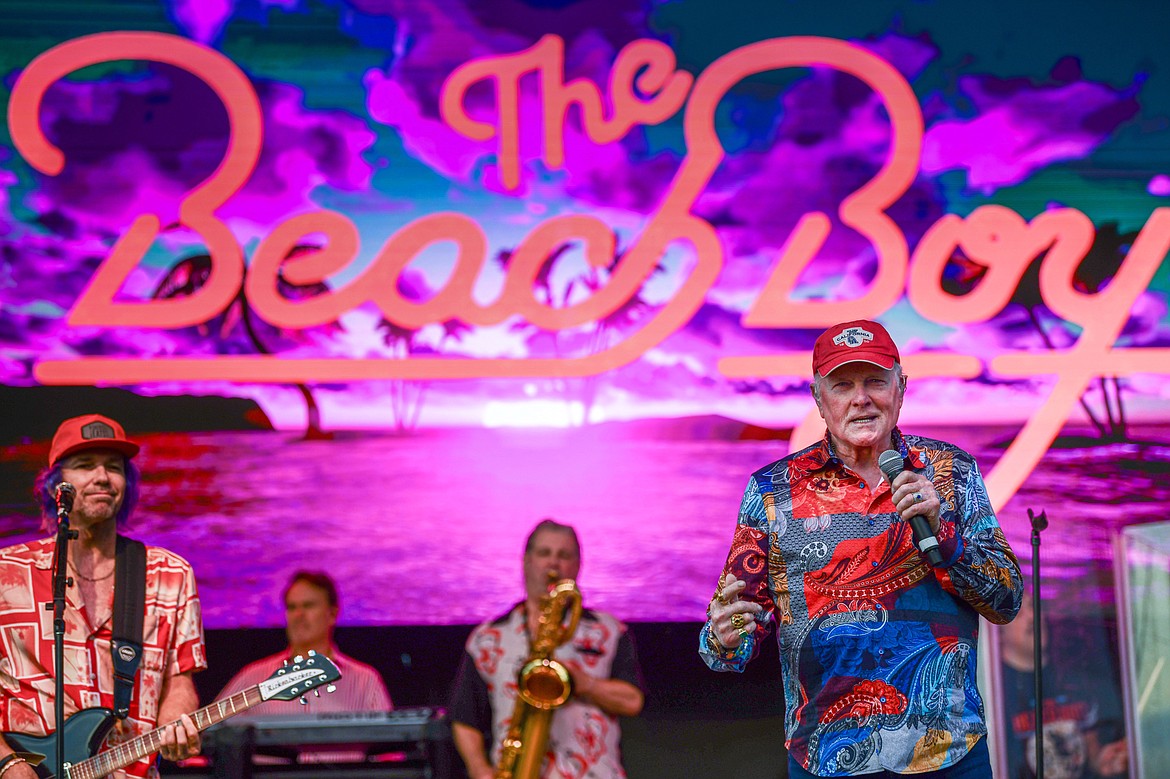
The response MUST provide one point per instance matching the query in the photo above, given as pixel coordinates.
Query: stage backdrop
(381, 283)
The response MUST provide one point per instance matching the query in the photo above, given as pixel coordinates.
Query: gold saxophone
(543, 685)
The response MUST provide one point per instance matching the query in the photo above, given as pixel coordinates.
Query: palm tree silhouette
(1097, 269)
(622, 319)
(407, 396)
(188, 275)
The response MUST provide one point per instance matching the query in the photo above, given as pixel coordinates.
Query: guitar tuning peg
(303, 701)
(298, 659)
(312, 653)
(284, 662)
(331, 688)
(316, 693)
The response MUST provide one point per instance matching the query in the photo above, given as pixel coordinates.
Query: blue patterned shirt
(877, 649)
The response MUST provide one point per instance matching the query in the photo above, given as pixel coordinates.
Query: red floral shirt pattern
(172, 638)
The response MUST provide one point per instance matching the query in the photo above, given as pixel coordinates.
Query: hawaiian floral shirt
(584, 742)
(172, 644)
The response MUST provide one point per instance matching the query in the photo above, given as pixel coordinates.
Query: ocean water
(429, 529)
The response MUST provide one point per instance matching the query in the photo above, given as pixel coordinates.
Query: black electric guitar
(85, 731)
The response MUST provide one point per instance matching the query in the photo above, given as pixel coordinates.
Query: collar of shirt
(822, 456)
(42, 552)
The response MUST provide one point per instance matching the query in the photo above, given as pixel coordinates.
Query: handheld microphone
(890, 461)
(64, 495)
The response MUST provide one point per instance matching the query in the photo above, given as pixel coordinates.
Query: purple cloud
(138, 144)
(1021, 127)
(202, 20)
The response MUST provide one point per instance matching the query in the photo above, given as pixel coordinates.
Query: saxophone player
(583, 734)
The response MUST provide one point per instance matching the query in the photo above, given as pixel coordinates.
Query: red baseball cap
(92, 431)
(858, 341)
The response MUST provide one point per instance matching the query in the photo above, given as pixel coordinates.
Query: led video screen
(380, 284)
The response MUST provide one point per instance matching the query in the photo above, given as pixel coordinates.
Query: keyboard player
(311, 607)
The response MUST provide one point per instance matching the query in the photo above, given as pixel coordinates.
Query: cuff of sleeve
(715, 646)
(719, 657)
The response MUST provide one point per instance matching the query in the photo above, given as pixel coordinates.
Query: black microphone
(65, 494)
(891, 463)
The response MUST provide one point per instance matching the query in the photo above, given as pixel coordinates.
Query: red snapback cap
(858, 341)
(92, 431)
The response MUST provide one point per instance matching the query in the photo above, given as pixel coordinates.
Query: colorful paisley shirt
(877, 649)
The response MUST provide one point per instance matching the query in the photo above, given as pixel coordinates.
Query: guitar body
(84, 732)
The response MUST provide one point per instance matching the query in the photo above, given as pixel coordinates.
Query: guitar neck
(139, 747)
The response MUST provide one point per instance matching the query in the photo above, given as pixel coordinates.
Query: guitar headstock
(302, 675)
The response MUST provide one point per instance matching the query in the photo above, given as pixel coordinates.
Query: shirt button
(863, 485)
(874, 563)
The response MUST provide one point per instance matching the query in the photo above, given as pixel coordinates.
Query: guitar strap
(129, 605)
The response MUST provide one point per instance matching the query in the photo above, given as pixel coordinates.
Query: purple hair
(46, 489)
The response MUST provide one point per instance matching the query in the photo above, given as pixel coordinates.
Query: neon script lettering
(645, 88)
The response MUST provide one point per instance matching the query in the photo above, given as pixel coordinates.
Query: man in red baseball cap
(876, 576)
(93, 455)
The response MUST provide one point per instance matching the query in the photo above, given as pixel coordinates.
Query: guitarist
(93, 454)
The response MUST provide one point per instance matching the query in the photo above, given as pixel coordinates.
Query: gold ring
(737, 620)
(744, 632)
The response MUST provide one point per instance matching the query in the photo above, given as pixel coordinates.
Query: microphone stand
(1039, 522)
(61, 580)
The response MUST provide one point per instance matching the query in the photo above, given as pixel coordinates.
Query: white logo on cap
(852, 337)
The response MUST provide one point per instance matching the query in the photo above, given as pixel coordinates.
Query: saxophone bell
(545, 683)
